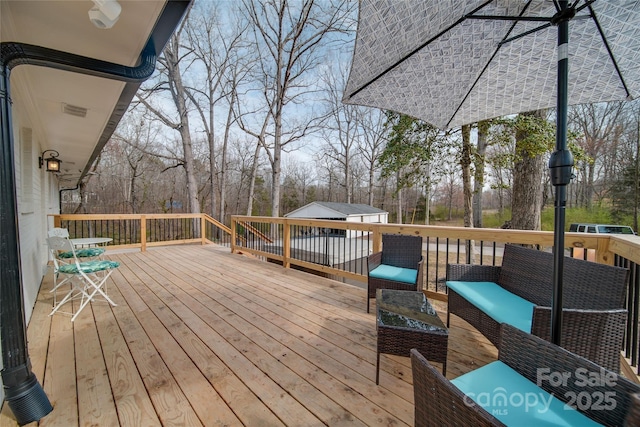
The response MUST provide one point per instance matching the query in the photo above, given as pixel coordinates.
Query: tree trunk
(427, 196)
(478, 179)
(527, 185)
(223, 160)
(465, 163)
(636, 178)
(399, 198)
(252, 179)
(275, 177)
(212, 160)
(347, 176)
(588, 189)
(371, 185)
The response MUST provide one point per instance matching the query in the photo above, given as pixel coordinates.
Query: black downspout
(24, 394)
(60, 196)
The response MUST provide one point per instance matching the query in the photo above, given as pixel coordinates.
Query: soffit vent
(74, 110)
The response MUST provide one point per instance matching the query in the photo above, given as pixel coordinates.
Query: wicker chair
(438, 402)
(397, 251)
(594, 317)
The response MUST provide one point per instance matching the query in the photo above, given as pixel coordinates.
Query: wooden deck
(204, 337)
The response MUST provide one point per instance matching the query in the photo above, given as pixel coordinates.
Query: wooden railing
(146, 230)
(296, 241)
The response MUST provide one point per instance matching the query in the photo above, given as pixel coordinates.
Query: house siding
(34, 203)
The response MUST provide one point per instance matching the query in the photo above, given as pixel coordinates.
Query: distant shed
(353, 212)
(350, 212)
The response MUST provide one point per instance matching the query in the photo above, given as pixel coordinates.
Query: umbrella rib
(606, 44)
(510, 18)
(526, 33)
(513, 25)
(416, 50)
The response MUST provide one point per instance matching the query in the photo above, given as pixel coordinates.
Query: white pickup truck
(601, 229)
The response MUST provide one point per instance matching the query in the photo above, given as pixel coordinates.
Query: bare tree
(478, 176)
(291, 39)
(370, 145)
(599, 126)
(136, 139)
(341, 127)
(465, 164)
(216, 38)
(171, 81)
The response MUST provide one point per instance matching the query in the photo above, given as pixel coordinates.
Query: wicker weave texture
(593, 299)
(477, 318)
(633, 415)
(586, 285)
(440, 403)
(527, 354)
(400, 341)
(594, 334)
(399, 251)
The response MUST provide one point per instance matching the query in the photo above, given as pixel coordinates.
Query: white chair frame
(87, 278)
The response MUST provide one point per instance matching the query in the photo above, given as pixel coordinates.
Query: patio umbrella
(452, 62)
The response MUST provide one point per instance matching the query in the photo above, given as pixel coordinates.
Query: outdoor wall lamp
(53, 164)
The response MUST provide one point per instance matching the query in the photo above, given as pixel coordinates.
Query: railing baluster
(634, 281)
(313, 244)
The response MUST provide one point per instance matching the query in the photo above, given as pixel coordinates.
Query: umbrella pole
(560, 169)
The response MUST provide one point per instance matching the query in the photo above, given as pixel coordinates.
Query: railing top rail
(79, 217)
(544, 238)
(272, 219)
(626, 246)
(217, 223)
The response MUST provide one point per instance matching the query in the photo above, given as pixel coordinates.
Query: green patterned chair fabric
(82, 253)
(88, 267)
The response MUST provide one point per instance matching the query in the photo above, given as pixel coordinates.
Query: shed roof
(333, 210)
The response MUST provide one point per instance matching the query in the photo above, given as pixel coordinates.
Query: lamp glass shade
(53, 165)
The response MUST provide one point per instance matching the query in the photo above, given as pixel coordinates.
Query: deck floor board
(200, 336)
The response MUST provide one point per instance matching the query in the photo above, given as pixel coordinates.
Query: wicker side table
(406, 320)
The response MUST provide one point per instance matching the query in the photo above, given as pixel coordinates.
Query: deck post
(143, 233)
(203, 229)
(286, 244)
(234, 227)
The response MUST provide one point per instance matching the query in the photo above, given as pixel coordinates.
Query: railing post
(57, 222)
(286, 244)
(234, 227)
(143, 233)
(203, 229)
(603, 254)
(377, 240)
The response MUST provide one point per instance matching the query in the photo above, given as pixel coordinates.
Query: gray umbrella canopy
(432, 60)
(454, 62)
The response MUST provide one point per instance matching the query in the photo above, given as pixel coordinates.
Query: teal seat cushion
(83, 253)
(498, 303)
(516, 401)
(396, 274)
(89, 267)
